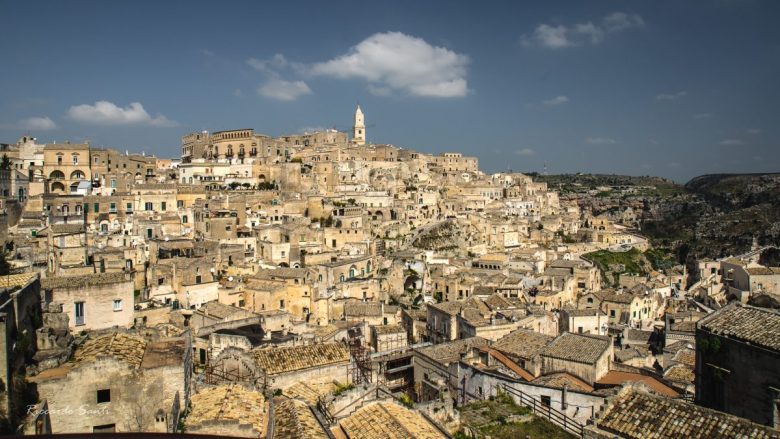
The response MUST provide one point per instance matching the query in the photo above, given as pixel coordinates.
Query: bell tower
(359, 130)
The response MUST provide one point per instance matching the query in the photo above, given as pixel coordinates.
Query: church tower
(359, 130)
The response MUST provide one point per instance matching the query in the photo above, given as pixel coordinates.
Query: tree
(4, 267)
(5, 164)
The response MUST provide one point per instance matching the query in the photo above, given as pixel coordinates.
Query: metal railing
(545, 411)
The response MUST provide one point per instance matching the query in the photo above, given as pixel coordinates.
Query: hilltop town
(319, 285)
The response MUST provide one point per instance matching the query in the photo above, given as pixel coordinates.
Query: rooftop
(637, 414)
(294, 419)
(581, 348)
(450, 352)
(522, 343)
(388, 419)
(230, 402)
(759, 326)
(53, 282)
(288, 359)
(124, 347)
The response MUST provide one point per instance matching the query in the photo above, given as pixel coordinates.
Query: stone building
(97, 301)
(737, 358)
(118, 382)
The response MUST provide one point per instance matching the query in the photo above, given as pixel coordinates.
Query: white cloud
(670, 96)
(600, 141)
(558, 100)
(399, 62)
(525, 152)
(578, 34)
(702, 116)
(276, 62)
(37, 124)
(732, 142)
(312, 129)
(107, 113)
(282, 90)
(618, 21)
(754, 131)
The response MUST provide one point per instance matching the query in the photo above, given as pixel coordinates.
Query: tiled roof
(450, 352)
(557, 381)
(388, 329)
(680, 373)
(230, 402)
(759, 326)
(16, 280)
(616, 377)
(522, 343)
(53, 282)
(293, 419)
(686, 356)
(358, 308)
(220, 310)
(307, 392)
(288, 359)
(637, 414)
(582, 348)
(388, 420)
(123, 347)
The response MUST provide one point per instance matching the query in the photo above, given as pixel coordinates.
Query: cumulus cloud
(37, 124)
(525, 152)
(600, 141)
(578, 34)
(558, 100)
(393, 61)
(282, 90)
(670, 96)
(107, 113)
(732, 142)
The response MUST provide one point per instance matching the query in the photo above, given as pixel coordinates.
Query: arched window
(57, 175)
(341, 277)
(352, 271)
(77, 175)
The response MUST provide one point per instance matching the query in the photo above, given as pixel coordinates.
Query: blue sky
(668, 88)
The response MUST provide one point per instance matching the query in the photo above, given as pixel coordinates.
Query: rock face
(54, 341)
(443, 236)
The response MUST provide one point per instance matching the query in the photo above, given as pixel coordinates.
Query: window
(117, 304)
(149, 233)
(96, 207)
(103, 395)
(184, 219)
(612, 313)
(281, 304)
(129, 207)
(79, 313)
(107, 428)
(113, 183)
(148, 206)
(163, 205)
(546, 401)
(160, 281)
(180, 204)
(75, 160)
